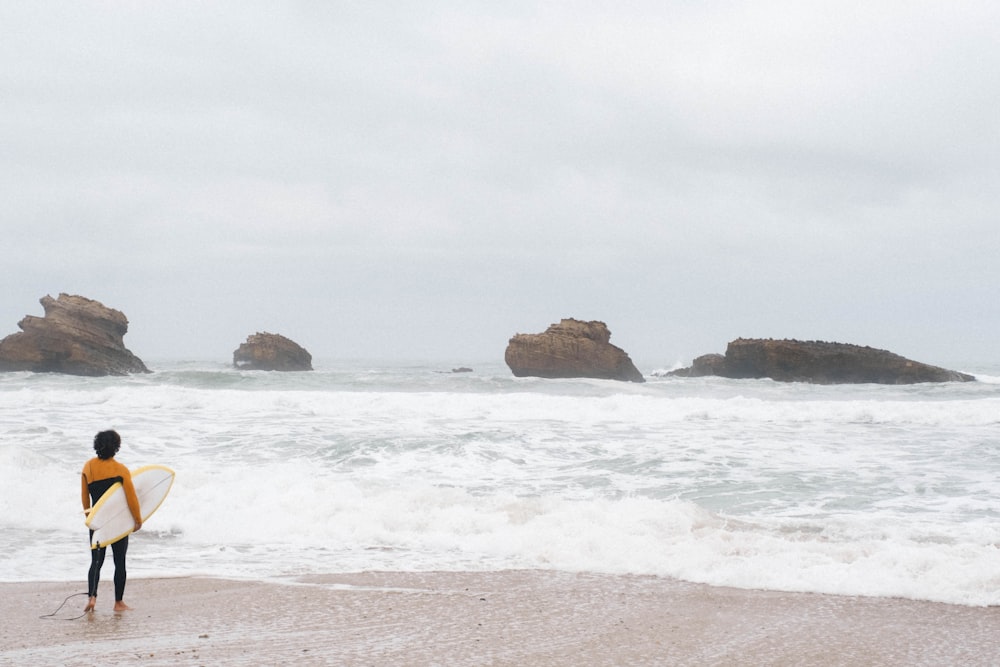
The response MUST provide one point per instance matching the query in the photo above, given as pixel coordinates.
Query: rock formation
(816, 361)
(76, 336)
(271, 352)
(570, 349)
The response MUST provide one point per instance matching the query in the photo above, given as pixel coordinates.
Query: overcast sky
(424, 180)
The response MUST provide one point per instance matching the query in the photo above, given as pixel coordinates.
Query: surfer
(99, 474)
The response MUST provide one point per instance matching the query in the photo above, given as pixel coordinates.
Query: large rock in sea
(570, 349)
(816, 361)
(76, 336)
(271, 352)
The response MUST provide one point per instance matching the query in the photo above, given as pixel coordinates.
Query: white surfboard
(111, 519)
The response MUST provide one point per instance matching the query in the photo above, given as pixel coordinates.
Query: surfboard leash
(51, 617)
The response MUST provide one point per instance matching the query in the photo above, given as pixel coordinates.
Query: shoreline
(515, 617)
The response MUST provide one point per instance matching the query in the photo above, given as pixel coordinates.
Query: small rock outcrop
(570, 349)
(816, 361)
(76, 336)
(271, 352)
(706, 364)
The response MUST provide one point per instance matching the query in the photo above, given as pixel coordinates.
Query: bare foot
(91, 603)
(121, 606)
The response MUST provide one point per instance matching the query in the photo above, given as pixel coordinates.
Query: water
(850, 489)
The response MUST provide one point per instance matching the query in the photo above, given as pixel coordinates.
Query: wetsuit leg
(94, 576)
(118, 550)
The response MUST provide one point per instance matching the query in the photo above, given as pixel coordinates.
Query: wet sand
(522, 618)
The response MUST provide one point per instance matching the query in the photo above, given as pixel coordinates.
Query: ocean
(864, 490)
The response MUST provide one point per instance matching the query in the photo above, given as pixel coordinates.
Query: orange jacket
(97, 469)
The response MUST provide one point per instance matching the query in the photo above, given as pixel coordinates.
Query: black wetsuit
(118, 549)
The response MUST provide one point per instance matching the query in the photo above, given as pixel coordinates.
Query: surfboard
(111, 519)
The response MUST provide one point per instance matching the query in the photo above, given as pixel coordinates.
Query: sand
(521, 618)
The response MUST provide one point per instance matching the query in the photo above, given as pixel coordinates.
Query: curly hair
(106, 444)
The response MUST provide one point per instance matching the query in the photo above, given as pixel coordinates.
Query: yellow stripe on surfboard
(145, 512)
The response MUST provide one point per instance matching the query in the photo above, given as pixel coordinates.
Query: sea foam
(860, 490)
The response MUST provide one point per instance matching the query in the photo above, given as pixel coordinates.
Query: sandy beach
(492, 618)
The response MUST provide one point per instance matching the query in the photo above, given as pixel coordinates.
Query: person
(99, 474)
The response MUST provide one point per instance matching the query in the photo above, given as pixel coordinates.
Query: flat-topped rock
(76, 336)
(816, 361)
(271, 352)
(570, 349)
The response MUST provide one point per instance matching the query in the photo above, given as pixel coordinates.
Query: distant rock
(815, 361)
(570, 349)
(76, 336)
(271, 352)
(461, 369)
(706, 364)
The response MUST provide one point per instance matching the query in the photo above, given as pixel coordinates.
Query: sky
(422, 181)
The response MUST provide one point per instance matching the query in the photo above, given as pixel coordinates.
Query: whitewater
(847, 489)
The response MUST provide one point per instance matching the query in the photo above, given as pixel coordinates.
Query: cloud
(688, 172)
